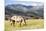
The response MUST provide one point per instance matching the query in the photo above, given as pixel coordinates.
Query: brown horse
(17, 19)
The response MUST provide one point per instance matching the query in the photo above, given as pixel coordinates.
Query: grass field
(31, 24)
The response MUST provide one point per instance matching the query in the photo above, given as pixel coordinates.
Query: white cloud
(31, 0)
(25, 2)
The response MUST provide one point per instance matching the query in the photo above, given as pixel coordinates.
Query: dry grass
(31, 24)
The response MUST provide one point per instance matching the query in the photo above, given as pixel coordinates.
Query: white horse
(17, 19)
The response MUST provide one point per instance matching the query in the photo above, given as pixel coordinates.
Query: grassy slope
(31, 24)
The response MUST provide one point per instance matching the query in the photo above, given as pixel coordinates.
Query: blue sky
(25, 2)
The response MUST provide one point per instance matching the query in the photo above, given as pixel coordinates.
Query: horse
(17, 19)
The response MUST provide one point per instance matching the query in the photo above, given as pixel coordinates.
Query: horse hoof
(25, 24)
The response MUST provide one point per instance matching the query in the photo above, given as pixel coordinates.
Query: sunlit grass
(31, 24)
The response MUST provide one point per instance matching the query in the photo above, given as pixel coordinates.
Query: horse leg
(20, 23)
(13, 22)
(25, 21)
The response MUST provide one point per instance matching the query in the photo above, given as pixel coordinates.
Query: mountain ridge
(24, 10)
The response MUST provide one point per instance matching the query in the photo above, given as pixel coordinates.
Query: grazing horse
(17, 19)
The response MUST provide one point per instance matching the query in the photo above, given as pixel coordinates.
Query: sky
(25, 2)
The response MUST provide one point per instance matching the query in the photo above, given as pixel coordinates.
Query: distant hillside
(19, 9)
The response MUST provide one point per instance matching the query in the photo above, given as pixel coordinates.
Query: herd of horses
(18, 19)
